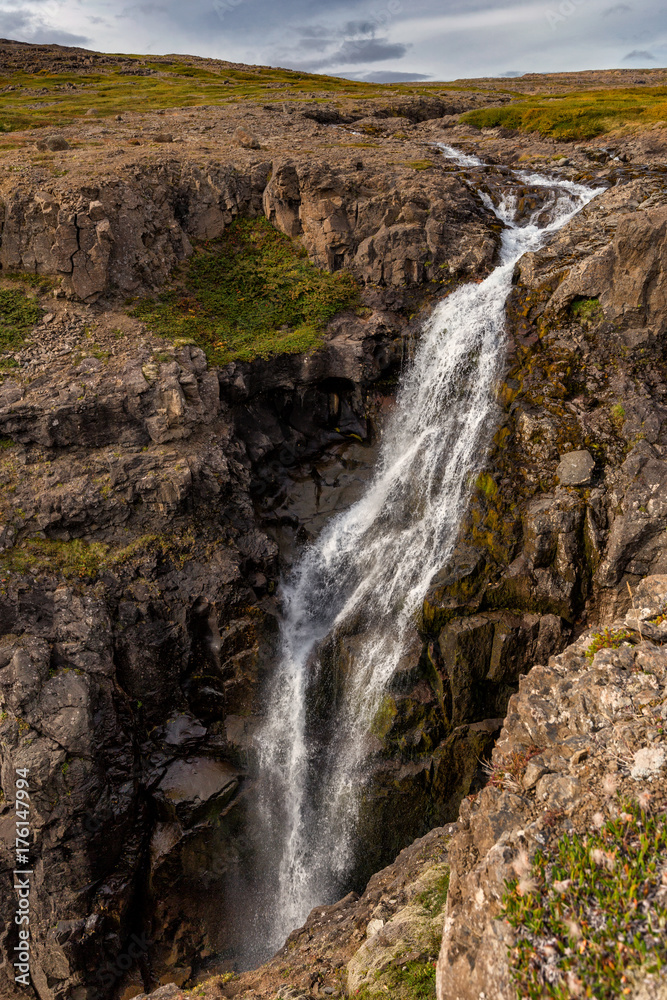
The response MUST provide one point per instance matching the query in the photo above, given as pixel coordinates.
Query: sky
(377, 40)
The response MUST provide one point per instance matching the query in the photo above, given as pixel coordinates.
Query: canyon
(152, 502)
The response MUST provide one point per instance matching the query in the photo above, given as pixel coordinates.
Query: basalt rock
(572, 739)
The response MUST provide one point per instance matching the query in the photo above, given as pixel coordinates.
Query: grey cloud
(144, 8)
(618, 9)
(640, 54)
(386, 76)
(22, 25)
(360, 50)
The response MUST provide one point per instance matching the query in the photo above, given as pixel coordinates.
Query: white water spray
(371, 568)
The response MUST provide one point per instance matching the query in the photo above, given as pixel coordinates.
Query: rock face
(579, 730)
(150, 501)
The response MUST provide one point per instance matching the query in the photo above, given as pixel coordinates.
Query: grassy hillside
(578, 114)
(47, 85)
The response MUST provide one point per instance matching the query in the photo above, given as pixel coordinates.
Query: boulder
(576, 468)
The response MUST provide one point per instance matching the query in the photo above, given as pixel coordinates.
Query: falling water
(371, 567)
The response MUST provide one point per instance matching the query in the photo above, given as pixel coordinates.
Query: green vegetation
(607, 639)
(18, 314)
(88, 559)
(588, 312)
(578, 114)
(419, 164)
(161, 83)
(250, 294)
(412, 981)
(592, 913)
(433, 900)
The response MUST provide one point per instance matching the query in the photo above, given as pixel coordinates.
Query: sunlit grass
(578, 115)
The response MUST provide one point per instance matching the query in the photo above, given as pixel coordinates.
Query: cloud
(618, 9)
(24, 26)
(385, 76)
(358, 50)
(511, 73)
(640, 54)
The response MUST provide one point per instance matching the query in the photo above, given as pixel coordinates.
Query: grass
(86, 560)
(578, 115)
(18, 315)
(588, 312)
(433, 900)
(592, 915)
(250, 294)
(607, 639)
(412, 981)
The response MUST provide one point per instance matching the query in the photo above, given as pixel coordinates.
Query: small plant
(608, 638)
(588, 312)
(660, 618)
(592, 912)
(508, 770)
(618, 415)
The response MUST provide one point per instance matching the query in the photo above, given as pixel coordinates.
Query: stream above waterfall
(370, 568)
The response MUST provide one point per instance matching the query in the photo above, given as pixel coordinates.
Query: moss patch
(578, 115)
(18, 315)
(250, 294)
(433, 900)
(593, 913)
(87, 560)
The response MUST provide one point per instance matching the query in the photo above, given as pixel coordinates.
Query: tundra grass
(592, 916)
(578, 115)
(250, 294)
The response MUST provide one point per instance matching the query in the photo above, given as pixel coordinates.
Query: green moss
(433, 900)
(419, 164)
(486, 485)
(384, 717)
(18, 315)
(588, 312)
(593, 914)
(577, 114)
(82, 559)
(412, 981)
(252, 293)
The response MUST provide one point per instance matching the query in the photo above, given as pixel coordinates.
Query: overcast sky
(366, 39)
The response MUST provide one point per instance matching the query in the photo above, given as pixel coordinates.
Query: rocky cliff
(150, 500)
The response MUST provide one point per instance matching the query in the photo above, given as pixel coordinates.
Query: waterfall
(371, 567)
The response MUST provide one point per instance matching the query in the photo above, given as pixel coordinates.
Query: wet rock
(575, 468)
